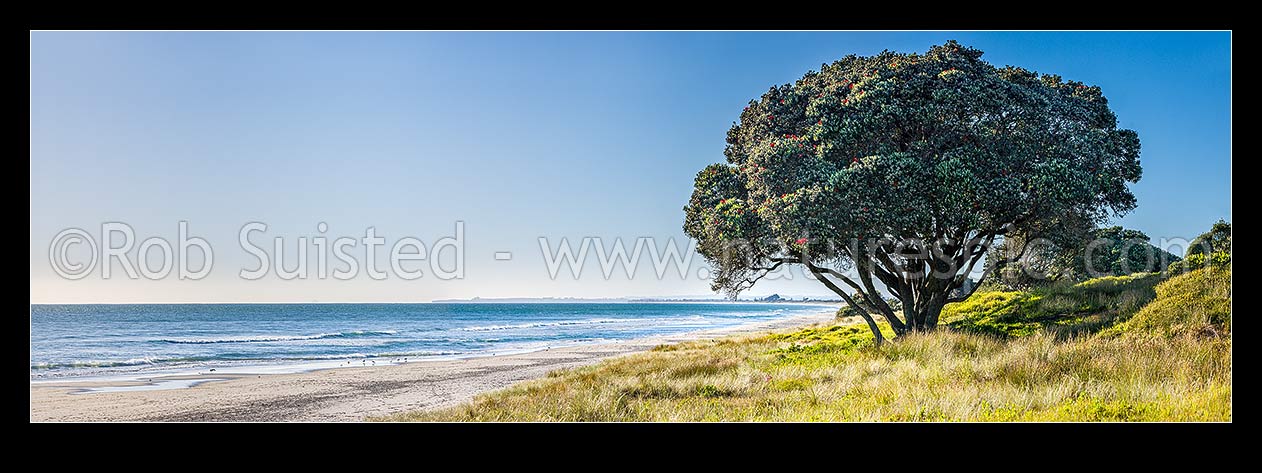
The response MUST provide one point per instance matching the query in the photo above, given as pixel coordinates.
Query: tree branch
(976, 256)
(986, 273)
(876, 330)
(749, 282)
(895, 322)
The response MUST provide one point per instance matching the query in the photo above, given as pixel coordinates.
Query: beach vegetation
(902, 170)
(1129, 348)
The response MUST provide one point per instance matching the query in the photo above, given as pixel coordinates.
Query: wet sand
(339, 394)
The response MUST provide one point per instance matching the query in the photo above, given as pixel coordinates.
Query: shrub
(1210, 249)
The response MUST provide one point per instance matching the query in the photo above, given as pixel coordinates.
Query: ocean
(136, 340)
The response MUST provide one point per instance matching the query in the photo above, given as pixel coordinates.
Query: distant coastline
(772, 299)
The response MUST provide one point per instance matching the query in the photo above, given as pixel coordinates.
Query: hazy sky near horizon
(517, 135)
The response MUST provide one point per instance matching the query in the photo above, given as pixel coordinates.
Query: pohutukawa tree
(896, 172)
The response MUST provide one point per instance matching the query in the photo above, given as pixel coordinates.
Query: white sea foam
(563, 323)
(279, 338)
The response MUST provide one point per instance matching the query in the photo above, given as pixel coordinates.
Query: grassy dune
(1113, 349)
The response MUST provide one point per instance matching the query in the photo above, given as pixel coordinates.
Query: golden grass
(941, 376)
(833, 373)
(1196, 303)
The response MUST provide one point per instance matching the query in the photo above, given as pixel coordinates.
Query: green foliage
(809, 345)
(1064, 309)
(1216, 240)
(1107, 251)
(907, 148)
(1210, 249)
(1117, 251)
(1117, 284)
(830, 157)
(1141, 304)
(1004, 314)
(1218, 260)
(1039, 254)
(1197, 303)
(1095, 409)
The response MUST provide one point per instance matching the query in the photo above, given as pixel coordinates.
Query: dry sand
(341, 394)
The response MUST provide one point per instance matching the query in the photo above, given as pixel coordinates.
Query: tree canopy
(1212, 248)
(1109, 251)
(1216, 240)
(906, 168)
(1117, 251)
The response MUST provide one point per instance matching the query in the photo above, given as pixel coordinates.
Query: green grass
(1065, 310)
(1009, 358)
(1195, 303)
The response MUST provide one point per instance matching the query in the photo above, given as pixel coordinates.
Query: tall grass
(834, 373)
(1196, 303)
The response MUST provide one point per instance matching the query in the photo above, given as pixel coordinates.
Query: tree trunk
(933, 311)
(922, 316)
(876, 331)
(911, 316)
(921, 308)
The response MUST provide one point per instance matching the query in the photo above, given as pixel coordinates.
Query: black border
(773, 16)
(791, 445)
(840, 444)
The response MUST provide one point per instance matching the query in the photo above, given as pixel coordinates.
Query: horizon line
(500, 300)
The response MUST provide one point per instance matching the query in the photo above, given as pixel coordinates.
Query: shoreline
(339, 393)
(140, 367)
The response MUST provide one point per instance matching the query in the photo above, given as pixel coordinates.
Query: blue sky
(518, 135)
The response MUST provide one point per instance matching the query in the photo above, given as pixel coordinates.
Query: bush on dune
(1063, 308)
(1196, 303)
(1210, 249)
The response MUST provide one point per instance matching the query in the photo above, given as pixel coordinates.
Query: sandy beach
(341, 394)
